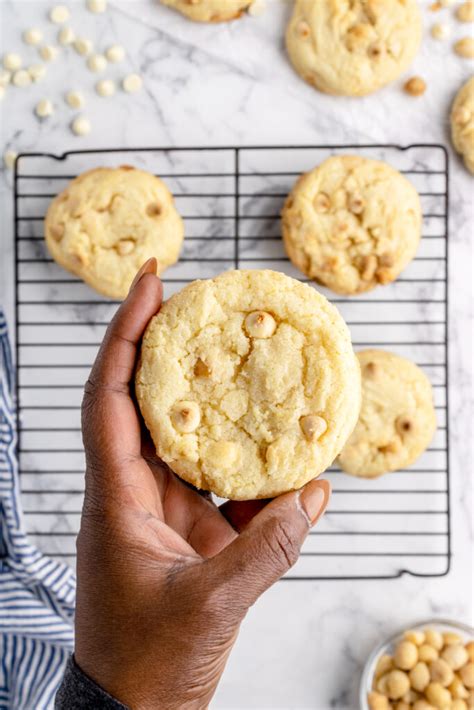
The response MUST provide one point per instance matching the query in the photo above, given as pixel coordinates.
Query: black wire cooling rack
(230, 199)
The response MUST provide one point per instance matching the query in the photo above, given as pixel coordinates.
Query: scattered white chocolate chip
(36, 72)
(12, 61)
(75, 99)
(465, 12)
(49, 52)
(185, 416)
(9, 158)
(257, 8)
(5, 77)
(66, 36)
(59, 14)
(21, 78)
(260, 324)
(97, 6)
(81, 126)
(44, 108)
(465, 48)
(105, 87)
(313, 427)
(32, 36)
(97, 63)
(440, 30)
(416, 86)
(132, 83)
(115, 53)
(83, 46)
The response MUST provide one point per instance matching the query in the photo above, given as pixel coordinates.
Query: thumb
(270, 544)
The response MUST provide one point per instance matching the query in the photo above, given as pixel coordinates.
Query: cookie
(248, 384)
(352, 223)
(210, 10)
(108, 222)
(353, 48)
(462, 123)
(397, 419)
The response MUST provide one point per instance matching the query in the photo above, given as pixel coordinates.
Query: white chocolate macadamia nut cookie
(209, 10)
(248, 384)
(108, 222)
(352, 223)
(355, 47)
(462, 123)
(397, 418)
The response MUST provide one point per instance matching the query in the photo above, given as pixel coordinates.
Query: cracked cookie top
(108, 222)
(248, 384)
(352, 223)
(209, 10)
(397, 419)
(353, 47)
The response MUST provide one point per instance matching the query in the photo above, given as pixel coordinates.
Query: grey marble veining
(304, 643)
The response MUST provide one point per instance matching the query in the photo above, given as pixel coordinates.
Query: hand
(165, 577)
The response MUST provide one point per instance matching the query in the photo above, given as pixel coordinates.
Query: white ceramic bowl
(388, 646)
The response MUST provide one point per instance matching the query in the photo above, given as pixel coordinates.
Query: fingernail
(149, 267)
(314, 498)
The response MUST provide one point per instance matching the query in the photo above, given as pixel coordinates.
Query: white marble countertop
(304, 644)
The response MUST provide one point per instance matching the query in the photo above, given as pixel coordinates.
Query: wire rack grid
(230, 199)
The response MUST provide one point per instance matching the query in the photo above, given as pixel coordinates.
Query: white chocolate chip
(356, 203)
(257, 8)
(105, 87)
(21, 78)
(97, 6)
(5, 78)
(33, 36)
(36, 72)
(75, 99)
(12, 61)
(465, 12)
(59, 14)
(83, 46)
(97, 63)
(132, 83)
(465, 48)
(125, 246)
(440, 30)
(9, 158)
(185, 416)
(313, 426)
(321, 202)
(44, 108)
(260, 324)
(66, 36)
(49, 52)
(81, 126)
(115, 53)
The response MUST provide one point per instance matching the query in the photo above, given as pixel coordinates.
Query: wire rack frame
(248, 180)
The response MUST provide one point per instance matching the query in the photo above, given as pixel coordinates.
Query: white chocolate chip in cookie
(321, 203)
(44, 108)
(186, 416)
(59, 14)
(223, 454)
(75, 99)
(97, 63)
(132, 83)
(12, 61)
(115, 53)
(313, 427)
(32, 36)
(81, 126)
(125, 246)
(260, 324)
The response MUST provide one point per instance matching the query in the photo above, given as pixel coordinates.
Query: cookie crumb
(465, 12)
(416, 86)
(465, 48)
